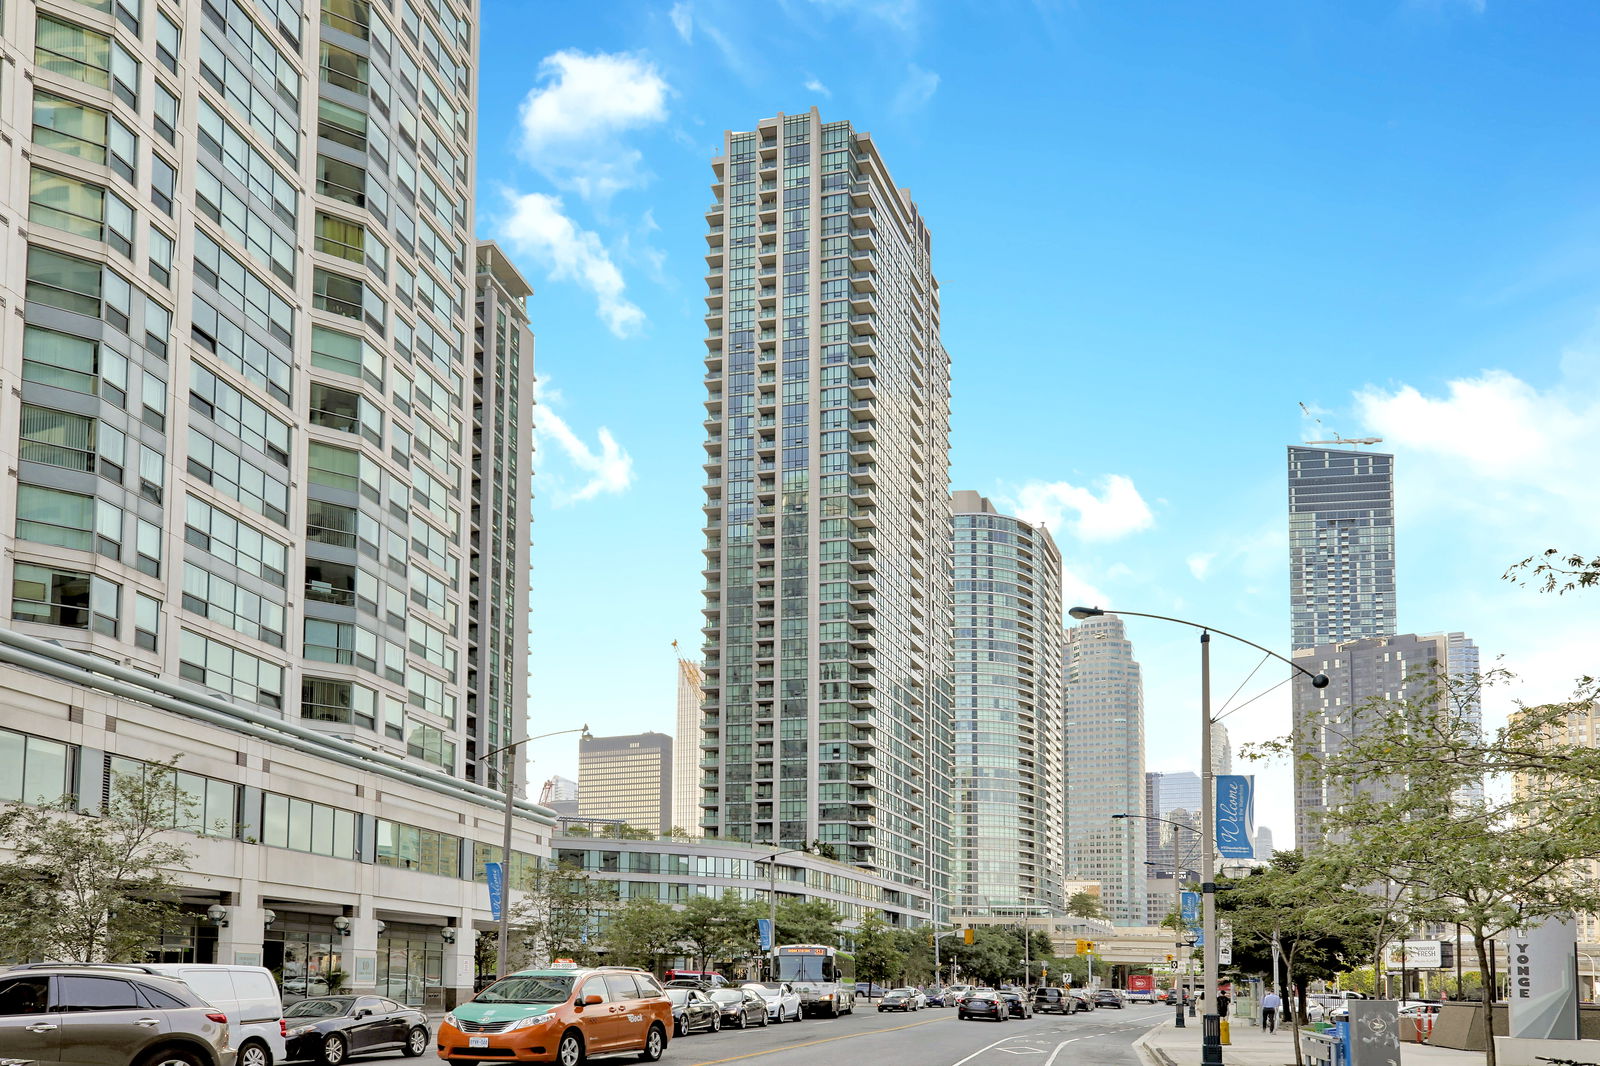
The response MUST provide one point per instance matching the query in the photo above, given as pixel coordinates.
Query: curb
(1153, 1056)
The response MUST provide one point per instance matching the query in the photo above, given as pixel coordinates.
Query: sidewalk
(1167, 1045)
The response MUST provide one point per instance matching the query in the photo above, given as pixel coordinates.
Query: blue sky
(1159, 228)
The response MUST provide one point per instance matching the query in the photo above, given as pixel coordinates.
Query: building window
(227, 669)
(341, 642)
(80, 208)
(344, 68)
(301, 825)
(64, 281)
(337, 294)
(342, 125)
(200, 804)
(241, 610)
(352, 16)
(32, 769)
(54, 597)
(68, 520)
(325, 700)
(146, 620)
(346, 354)
(341, 237)
(431, 745)
(342, 181)
(235, 542)
(67, 362)
(412, 848)
(58, 438)
(334, 408)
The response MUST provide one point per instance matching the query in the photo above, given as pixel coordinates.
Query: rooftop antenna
(1337, 439)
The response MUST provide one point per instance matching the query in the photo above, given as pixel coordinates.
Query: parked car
(706, 978)
(1019, 1005)
(953, 993)
(741, 1008)
(249, 997)
(1109, 997)
(1084, 998)
(936, 997)
(983, 1003)
(329, 1029)
(693, 1009)
(561, 1013)
(783, 1002)
(1408, 1009)
(899, 999)
(869, 989)
(107, 1014)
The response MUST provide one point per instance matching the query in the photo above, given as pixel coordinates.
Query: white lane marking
(1051, 1061)
(980, 1051)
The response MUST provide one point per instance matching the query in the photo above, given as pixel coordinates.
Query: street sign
(1544, 981)
(494, 873)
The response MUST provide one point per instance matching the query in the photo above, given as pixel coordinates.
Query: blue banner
(1189, 909)
(764, 928)
(1236, 816)
(495, 874)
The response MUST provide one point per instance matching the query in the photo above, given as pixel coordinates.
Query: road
(932, 1037)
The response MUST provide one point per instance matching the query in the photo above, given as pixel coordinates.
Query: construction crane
(1337, 439)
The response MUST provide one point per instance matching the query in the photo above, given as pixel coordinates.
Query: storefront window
(410, 963)
(305, 953)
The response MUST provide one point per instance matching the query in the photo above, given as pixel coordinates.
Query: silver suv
(80, 1015)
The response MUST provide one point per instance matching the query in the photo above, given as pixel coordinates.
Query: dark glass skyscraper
(827, 711)
(1341, 546)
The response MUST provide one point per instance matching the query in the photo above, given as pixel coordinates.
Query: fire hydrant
(1224, 1031)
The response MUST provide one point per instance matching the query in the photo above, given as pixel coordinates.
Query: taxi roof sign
(563, 964)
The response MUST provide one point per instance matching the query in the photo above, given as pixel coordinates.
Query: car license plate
(477, 1041)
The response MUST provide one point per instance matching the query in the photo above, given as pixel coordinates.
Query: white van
(248, 996)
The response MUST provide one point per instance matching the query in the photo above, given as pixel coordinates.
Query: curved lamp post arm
(1317, 680)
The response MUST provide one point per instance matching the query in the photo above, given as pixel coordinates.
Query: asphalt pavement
(932, 1037)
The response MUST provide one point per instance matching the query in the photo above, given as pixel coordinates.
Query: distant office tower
(1341, 546)
(1221, 749)
(1177, 791)
(1006, 788)
(502, 514)
(827, 601)
(1578, 727)
(560, 794)
(1464, 666)
(1403, 667)
(627, 779)
(1105, 765)
(686, 750)
(1177, 842)
(1263, 842)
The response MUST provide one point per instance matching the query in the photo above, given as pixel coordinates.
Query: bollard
(1210, 1040)
(1223, 1023)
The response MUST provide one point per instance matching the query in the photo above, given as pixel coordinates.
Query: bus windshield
(804, 968)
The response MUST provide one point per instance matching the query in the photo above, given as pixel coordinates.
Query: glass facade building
(626, 779)
(827, 600)
(1006, 789)
(1105, 766)
(1341, 546)
(242, 398)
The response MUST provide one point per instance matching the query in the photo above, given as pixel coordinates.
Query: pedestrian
(1269, 1011)
(1223, 999)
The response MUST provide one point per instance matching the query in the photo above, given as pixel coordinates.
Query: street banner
(1374, 1032)
(1236, 816)
(764, 929)
(495, 874)
(1544, 981)
(1189, 908)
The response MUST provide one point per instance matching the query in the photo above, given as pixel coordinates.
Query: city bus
(813, 970)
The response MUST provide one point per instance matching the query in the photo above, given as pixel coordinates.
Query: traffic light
(1171, 957)
(1083, 947)
(966, 936)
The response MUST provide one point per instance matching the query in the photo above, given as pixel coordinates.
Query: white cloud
(683, 21)
(571, 123)
(1200, 564)
(538, 227)
(1116, 511)
(815, 86)
(917, 89)
(608, 470)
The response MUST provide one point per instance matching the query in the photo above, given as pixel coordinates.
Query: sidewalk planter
(1512, 1051)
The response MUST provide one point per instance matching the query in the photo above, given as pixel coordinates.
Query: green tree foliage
(641, 932)
(1321, 925)
(916, 950)
(1085, 905)
(995, 955)
(558, 916)
(808, 921)
(877, 959)
(1556, 571)
(1492, 865)
(94, 889)
(719, 927)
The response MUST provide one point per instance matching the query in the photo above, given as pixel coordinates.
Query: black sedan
(984, 1003)
(740, 1007)
(1108, 997)
(692, 1009)
(1018, 1004)
(330, 1029)
(898, 999)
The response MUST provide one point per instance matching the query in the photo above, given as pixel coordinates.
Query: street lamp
(509, 780)
(1177, 882)
(1211, 1045)
(772, 891)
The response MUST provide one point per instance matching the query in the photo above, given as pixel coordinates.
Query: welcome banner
(1236, 816)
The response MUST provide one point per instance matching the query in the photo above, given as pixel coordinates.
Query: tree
(558, 916)
(640, 932)
(1511, 859)
(807, 921)
(916, 952)
(1085, 905)
(1555, 571)
(876, 956)
(1303, 903)
(719, 927)
(95, 889)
